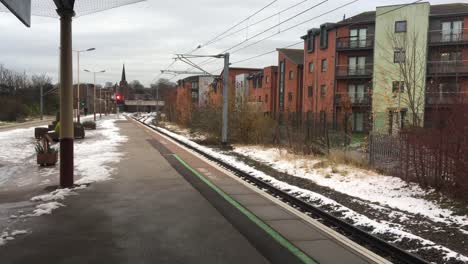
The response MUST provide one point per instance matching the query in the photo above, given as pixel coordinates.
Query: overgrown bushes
(246, 125)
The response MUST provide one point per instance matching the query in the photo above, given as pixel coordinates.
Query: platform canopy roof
(47, 8)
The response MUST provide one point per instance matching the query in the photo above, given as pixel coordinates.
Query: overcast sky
(145, 35)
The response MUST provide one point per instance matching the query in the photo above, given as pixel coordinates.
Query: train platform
(167, 204)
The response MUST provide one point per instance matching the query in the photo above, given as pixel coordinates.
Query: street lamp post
(78, 80)
(94, 97)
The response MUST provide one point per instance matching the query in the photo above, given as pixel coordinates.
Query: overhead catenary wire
(297, 43)
(293, 26)
(256, 23)
(272, 27)
(296, 25)
(219, 35)
(239, 23)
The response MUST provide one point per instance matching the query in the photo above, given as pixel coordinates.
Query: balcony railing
(448, 37)
(452, 67)
(444, 98)
(354, 43)
(358, 71)
(355, 99)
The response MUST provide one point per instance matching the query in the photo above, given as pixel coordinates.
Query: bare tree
(408, 76)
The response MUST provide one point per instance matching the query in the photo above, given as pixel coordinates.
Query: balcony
(354, 43)
(447, 68)
(446, 98)
(444, 37)
(354, 72)
(354, 99)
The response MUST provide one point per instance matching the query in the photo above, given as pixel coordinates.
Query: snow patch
(45, 208)
(5, 236)
(58, 194)
(366, 185)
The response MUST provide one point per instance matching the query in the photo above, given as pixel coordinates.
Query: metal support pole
(224, 132)
(100, 100)
(78, 87)
(66, 98)
(42, 102)
(94, 102)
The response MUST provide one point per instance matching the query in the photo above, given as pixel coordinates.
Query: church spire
(123, 74)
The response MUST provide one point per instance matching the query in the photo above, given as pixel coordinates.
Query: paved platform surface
(147, 214)
(317, 242)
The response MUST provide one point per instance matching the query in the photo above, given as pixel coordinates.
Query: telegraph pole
(186, 58)
(224, 132)
(94, 97)
(94, 92)
(42, 102)
(78, 81)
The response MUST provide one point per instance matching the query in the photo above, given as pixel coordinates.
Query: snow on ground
(367, 185)
(94, 159)
(378, 227)
(6, 236)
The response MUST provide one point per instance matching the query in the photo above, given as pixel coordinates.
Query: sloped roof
(364, 17)
(449, 9)
(295, 55)
(436, 10)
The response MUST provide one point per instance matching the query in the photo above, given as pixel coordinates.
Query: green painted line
(277, 236)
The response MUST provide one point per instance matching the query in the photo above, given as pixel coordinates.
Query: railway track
(379, 246)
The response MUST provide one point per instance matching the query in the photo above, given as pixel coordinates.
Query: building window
(290, 96)
(259, 99)
(323, 90)
(267, 79)
(324, 65)
(310, 91)
(400, 26)
(281, 86)
(291, 75)
(266, 98)
(310, 41)
(323, 37)
(311, 66)
(194, 85)
(451, 56)
(323, 117)
(452, 30)
(398, 86)
(358, 38)
(399, 56)
(358, 122)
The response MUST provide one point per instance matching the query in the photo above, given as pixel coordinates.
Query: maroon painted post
(66, 98)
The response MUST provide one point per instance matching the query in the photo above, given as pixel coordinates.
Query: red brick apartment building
(290, 78)
(262, 86)
(353, 71)
(338, 62)
(216, 93)
(447, 65)
(319, 71)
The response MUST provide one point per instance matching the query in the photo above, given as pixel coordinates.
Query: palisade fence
(316, 133)
(431, 157)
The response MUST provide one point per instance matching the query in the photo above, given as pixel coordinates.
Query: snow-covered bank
(367, 185)
(395, 233)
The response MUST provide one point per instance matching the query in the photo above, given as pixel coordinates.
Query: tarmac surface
(147, 214)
